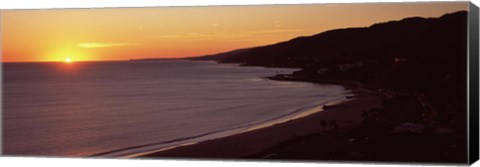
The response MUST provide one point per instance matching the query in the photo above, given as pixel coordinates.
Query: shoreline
(374, 124)
(297, 114)
(339, 117)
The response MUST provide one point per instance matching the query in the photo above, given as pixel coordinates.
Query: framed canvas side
(473, 76)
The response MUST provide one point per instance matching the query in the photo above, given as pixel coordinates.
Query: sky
(103, 34)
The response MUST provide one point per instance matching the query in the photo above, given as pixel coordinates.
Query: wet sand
(339, 117)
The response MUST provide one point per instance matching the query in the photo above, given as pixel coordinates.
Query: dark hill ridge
(423, 55)
(410, 54)
(416, 55)
(377, 41)
(220, 56)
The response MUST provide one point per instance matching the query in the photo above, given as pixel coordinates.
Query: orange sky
(132, 33)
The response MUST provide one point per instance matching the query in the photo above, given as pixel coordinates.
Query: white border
(80, 162)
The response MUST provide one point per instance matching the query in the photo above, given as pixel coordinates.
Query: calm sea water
(123, 108)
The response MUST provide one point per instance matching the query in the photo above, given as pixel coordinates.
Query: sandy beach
(338, 117)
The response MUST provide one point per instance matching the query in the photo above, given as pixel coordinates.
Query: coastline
(336, 117)
(170, 145)
(374, 124)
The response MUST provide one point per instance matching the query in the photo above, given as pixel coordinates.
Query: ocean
(127, 108)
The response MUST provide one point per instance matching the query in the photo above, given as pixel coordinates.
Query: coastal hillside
(425, 55)
(221, 56)
(412, 53)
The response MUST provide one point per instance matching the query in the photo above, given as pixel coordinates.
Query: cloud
(273, 31)
(277, 24)
(232, 35)
(183, 36)
(104, 45)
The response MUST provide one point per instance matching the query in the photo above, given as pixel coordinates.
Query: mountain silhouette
(220, 56)
(412, 54)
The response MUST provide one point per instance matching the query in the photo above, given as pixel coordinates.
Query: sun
(68, 60)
